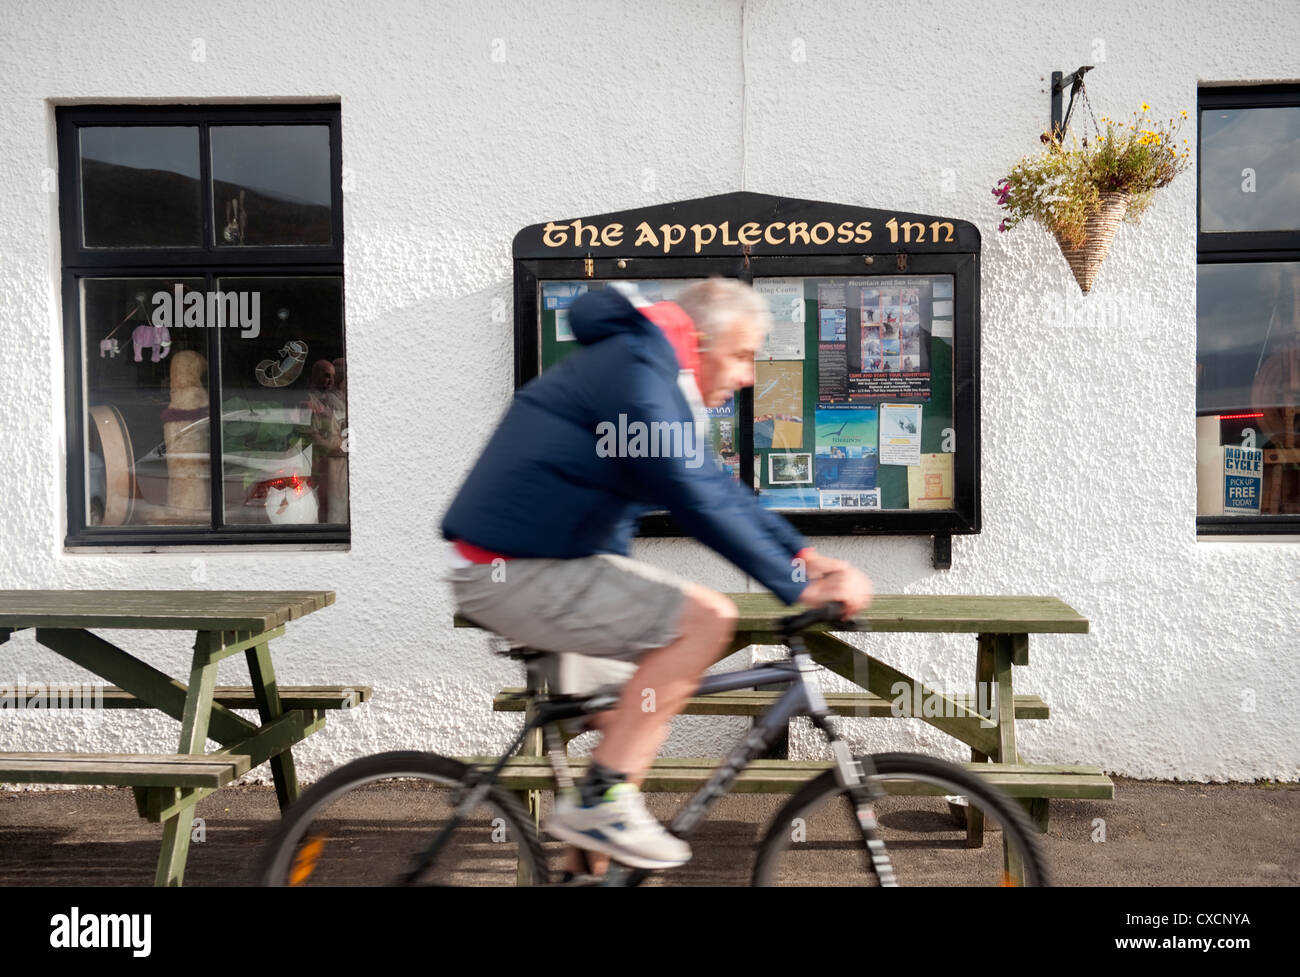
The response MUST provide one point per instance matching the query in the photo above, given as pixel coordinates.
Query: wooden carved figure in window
(185, 435)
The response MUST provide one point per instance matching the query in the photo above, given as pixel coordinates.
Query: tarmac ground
(1154, 833)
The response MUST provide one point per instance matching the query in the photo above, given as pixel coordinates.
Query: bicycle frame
(803, 697)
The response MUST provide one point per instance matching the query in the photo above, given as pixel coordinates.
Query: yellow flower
(1183, 113)
(1145, 107)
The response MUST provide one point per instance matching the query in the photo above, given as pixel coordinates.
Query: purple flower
(1002, 226)
(1002, 192)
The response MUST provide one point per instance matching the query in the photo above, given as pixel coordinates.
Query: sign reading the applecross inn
(744, 222)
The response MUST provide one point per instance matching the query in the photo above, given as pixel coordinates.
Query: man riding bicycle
(541, 528)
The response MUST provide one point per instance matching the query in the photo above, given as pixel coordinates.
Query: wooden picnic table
(226, 622)
(1001, 626)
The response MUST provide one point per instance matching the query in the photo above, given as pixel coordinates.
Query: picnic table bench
(1001, 626)
(167, 786)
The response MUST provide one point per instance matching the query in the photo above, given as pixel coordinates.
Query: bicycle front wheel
(373, 821)
(929, 823)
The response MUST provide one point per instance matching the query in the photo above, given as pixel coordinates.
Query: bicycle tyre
(364, 823)
(794, 853)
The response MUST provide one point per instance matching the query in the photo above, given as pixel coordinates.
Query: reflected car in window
(267, 462)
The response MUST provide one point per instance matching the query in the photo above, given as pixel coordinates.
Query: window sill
(1236, 538)
(80, 549)
(336, 538)
(1256, 528)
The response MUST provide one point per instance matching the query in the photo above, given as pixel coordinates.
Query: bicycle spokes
(935, 824)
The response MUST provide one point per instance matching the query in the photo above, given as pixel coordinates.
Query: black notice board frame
(548, 251)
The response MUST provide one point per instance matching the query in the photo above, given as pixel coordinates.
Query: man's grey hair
(716, 303)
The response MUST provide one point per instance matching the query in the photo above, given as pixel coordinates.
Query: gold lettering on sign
(549, 233)
(907, 226)
(579, 234)
(579, 227)
(674, 234)
(700, 240)
(645, 235)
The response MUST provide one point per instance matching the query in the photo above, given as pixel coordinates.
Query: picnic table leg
(983, 680)
(267, 693)
(194, 737)
(780, 748)
(530, 799)
(1004, 646)
(1038, 809)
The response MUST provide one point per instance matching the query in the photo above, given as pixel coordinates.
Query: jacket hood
(599, 315)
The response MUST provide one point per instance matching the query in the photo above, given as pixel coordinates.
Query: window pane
(140, 186)
(853, 395)
(1250, 169)
(146, 453)
(1248, 386)
(271, 184)
(284, 402)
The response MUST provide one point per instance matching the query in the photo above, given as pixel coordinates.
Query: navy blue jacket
(542, 489)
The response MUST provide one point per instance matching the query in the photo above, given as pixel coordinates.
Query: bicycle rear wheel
(370, 821)
(815, 839)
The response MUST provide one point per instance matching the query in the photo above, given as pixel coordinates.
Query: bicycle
(896, 818)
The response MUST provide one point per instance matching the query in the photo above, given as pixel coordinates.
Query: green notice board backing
(864, 413)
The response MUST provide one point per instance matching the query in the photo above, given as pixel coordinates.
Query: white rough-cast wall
(464, 122)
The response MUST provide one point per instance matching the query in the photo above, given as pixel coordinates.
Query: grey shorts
(598, 613)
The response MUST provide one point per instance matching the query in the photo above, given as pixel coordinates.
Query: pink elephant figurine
(157, 337)
(108, 346)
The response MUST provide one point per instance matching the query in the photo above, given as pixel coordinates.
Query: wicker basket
(1100, 231)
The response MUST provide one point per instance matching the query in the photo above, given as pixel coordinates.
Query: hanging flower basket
(1100, 228)
(1082, 194)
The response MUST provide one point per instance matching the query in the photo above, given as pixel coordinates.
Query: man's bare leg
(632, 734)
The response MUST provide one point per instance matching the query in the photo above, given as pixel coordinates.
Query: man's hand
(845, 584)
(817, 565)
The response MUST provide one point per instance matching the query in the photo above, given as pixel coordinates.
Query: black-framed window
(202, 253)
(1248, 310)
(864, 417)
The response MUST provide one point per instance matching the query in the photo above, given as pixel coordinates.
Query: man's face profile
(728, 363)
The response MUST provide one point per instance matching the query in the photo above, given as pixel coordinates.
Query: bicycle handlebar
(826, 614)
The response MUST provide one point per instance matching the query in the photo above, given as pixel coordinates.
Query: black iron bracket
(941, 558)
(1059, 81)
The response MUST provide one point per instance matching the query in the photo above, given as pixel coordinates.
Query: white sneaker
(620, 827)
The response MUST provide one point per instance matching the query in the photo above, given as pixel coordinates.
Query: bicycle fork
(862, 791)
